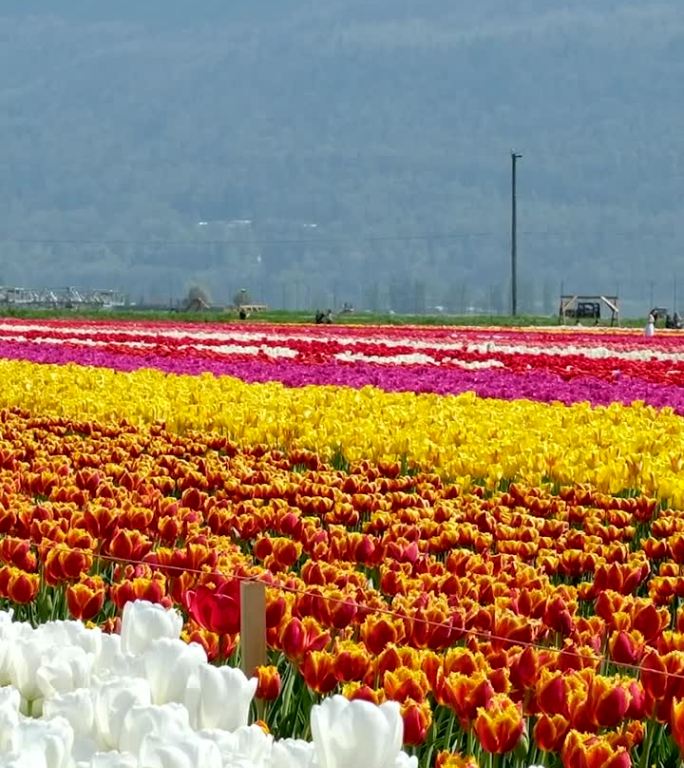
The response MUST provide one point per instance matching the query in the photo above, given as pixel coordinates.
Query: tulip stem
(648, 743)
(450, 731)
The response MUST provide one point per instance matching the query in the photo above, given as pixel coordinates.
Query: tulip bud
(417, 717)
(268, 683)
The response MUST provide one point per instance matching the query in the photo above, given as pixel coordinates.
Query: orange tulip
(629, 736)
(269, 683)
(677, 723)
(452, 760)
(338, 610)
(169, 529)
(210, 641)
(523, 669)
(500, 725)
(378, 631)
(352, 661)
(417, 717)
(584, 750)
(301, 636)
(276, 608)
(22, 587)
(137, 518)
(129, 545)
(318, 672)
(511, 629)
(141, 588)
(649, 620)
(86, 598)
(66, 565)
(403, 683)
(465, 694)
(551, 693)
(622, 577)
(18, 552)
(626, 647)
(549, 732)
(662, 677)
(354, 691)
(462, 660)
(285, 553)
(8, 519)
(608, 701)
(195, 556)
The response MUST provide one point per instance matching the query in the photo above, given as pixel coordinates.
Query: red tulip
(217, 610)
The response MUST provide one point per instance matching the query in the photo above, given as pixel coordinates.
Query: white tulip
(167, 721)
(76, 633)
(248, 743)
(5, 662)
(404, 761)
(254, 744)
(348, 734)
(11, 634)
(180, 751)
(32, 757)
(25, 659)
(8, 626)
(54, 738)
(168, 665)
(75, 707)
(10, 698)
(143, 622)
(111, 660)
(219, 697)
(66, 671)
(112, 700)
(292, 753)
(78, 710)
(10, 701)
(112, 760)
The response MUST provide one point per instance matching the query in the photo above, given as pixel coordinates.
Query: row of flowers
(547, 366)
(305, 341)
(498, 621)
(421, 336)
(462, 438)
(436, 345)
(605, 384)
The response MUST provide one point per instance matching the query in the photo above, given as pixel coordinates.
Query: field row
(560, 606)
(599, 367)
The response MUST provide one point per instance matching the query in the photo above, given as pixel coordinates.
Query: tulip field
(471, 540)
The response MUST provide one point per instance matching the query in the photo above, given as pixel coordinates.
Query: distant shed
(581, 307)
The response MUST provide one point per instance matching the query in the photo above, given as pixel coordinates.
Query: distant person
(242, 314)
(650, 325)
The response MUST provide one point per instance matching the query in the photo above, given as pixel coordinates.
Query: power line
(251, 241)
(326, 240)
(310, 591)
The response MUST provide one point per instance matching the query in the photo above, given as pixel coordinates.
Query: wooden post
(252, 626)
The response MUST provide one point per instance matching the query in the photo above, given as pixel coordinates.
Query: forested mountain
(320, 151)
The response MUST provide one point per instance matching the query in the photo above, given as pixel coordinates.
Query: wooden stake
(252, 626)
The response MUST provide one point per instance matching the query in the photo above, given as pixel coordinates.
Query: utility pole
(674, 294)
(514, 237)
